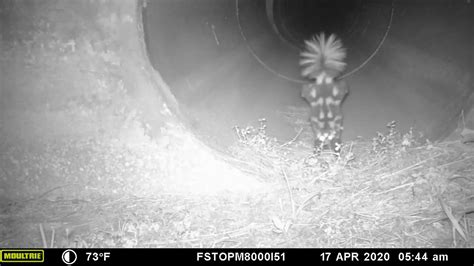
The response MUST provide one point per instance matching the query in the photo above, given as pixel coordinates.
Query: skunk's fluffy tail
(323, 55)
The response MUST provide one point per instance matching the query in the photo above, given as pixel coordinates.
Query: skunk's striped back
(325, 100)
(323, 55)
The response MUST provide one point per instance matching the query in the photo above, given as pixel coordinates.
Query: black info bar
(271, 256)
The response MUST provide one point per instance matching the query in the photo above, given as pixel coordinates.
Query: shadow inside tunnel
(420, 77)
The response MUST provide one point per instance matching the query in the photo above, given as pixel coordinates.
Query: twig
(446, 164)
(47, 192)
(294, 139)
(213, 28)
(395, 188)
(43, 237)
(454, 221)
(409, 167)
(114, 201)
(52, 237)
(291, 194)
(300, 208)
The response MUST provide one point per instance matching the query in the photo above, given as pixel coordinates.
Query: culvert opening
(233, 62)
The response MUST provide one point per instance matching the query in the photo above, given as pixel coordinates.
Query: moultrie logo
(21, 255)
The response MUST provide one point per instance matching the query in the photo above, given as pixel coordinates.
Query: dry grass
(382, 193)
(393, 191)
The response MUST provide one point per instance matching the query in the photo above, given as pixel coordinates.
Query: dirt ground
(96, 194)
(81, 166)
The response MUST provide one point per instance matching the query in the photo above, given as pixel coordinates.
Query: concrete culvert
(220, 56)
(189, 116)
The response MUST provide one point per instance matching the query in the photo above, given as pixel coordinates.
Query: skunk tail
(323, 55)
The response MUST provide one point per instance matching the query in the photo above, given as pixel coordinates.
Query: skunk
(323, 62)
